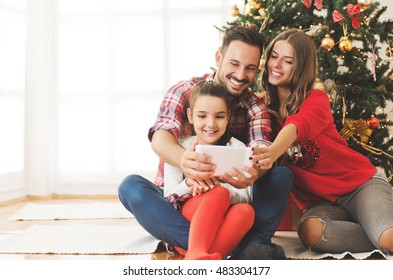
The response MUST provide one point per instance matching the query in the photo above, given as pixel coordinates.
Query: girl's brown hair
(209, 88)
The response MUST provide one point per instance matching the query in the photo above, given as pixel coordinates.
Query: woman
(346, 204)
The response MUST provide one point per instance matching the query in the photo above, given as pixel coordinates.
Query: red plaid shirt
(249, 121)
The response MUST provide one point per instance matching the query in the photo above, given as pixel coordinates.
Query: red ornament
(373, 122)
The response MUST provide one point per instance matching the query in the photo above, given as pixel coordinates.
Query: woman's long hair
(302, 80)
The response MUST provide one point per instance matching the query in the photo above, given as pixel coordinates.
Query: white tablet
(226, 157)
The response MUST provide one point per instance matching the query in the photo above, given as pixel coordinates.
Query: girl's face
(280, 64)
(210, 118)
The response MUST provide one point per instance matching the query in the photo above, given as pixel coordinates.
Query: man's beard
(231, 94)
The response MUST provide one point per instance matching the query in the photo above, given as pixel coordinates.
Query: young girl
(346, 204)
(221, 216)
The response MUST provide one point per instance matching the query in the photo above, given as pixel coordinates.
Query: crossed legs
(216, 227)
(358, 222)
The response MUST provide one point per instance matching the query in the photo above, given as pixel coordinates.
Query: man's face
(237, 66)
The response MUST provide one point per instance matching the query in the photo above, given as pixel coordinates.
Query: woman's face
(210, 119)
(280, 64)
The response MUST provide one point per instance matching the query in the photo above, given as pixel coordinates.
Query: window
(12, 97)
(114, 60)
(81, 82)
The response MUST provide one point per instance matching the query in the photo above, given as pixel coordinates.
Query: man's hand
(197, 166)
(199, 171)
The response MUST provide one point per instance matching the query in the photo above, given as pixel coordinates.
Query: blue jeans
(158, 217)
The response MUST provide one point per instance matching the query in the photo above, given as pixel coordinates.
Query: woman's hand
(263, 157)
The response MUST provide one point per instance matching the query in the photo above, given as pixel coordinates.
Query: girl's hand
(201, 186)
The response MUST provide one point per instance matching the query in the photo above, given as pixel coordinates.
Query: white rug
(79, 239)
(71, 211)
(130, 239)
(294, 249)
(111, 239)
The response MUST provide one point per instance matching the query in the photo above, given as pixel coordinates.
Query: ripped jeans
(356, 221)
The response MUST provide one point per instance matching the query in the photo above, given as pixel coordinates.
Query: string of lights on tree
(349, 36)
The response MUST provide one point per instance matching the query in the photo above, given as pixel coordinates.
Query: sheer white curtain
(114, 61)
(12, 97)
(87, 80)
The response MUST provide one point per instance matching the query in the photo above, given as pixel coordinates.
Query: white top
(174, 181)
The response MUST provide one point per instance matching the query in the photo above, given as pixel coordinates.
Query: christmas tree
(349, 36)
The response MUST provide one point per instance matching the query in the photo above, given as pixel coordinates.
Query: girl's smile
(209, 118)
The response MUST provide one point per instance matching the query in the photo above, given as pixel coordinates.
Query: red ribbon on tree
(337, 17)
(318, 4)
(352, 10)
(307, 3)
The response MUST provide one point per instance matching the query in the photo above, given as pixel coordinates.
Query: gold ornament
(330, 84)
(235, 11)
(358, 128)
(262, 12)
(389, 52)
(318, 84)
(345, 44)
(254, 4)
(251, 6)
(365, 4)
(327, 42)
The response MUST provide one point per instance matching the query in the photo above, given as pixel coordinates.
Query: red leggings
(216, 228)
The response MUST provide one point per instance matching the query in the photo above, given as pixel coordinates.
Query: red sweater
(328, 168)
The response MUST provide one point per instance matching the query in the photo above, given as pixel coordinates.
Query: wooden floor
(10, 207)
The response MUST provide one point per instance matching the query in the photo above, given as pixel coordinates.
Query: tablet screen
(226, 157)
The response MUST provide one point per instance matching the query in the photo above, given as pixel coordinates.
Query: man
(237, 64)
